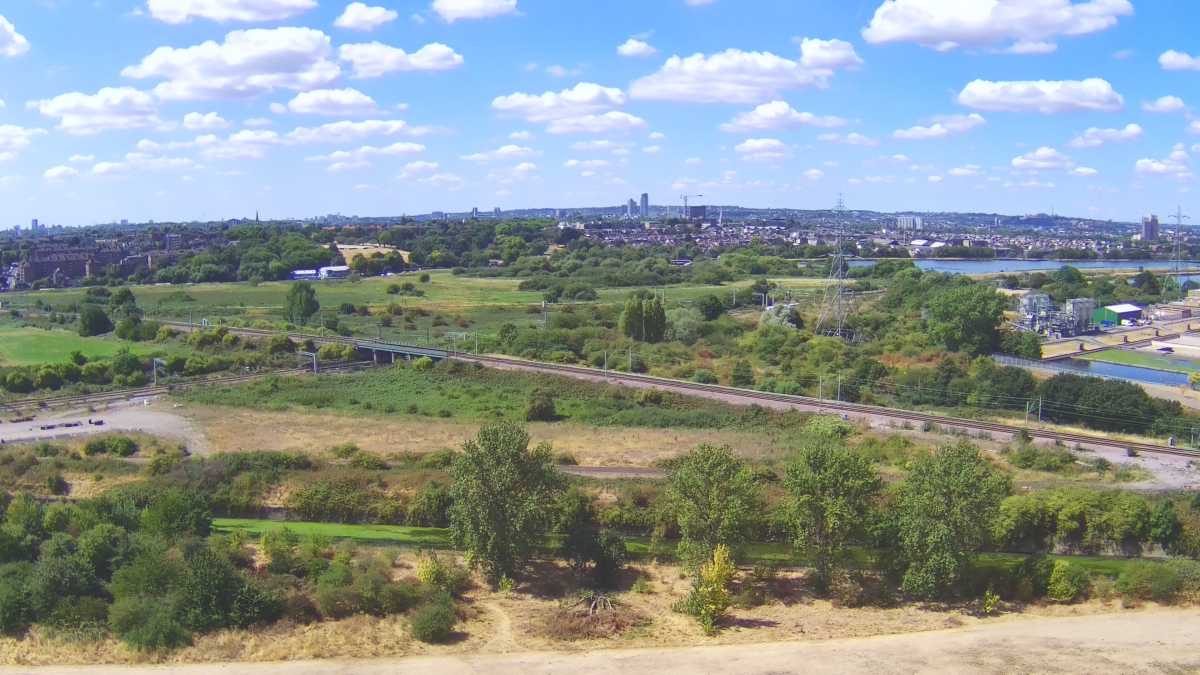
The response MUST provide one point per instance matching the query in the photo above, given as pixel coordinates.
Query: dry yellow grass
(239, 430)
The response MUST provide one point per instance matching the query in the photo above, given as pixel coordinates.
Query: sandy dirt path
(1142, 642)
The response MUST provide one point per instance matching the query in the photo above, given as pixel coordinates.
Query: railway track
(750, 396)
(858, 409)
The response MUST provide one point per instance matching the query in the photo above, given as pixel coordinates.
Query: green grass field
(482, 395)
(481, 304)
(1125, 357)
(638, 547)
(21, 346)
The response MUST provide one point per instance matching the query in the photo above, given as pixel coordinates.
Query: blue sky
(206, 109)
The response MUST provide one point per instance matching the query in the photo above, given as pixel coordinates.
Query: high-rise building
(910, 223)
(33, 225)
(631, 208)
(496, 213)
(645, 205)
(697, 212)
(475, 213)
(1150, 228)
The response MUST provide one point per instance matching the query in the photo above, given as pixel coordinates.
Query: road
(1129, 642)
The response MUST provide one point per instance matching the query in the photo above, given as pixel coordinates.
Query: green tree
(301, 303)
(711, 307)
(966, 317)
(946, 505)
(832, 492)
(502, 498)
(743, 374)
(93, 321)
(633, 319)
(1165, 527)
(656, 320)
(714, 499)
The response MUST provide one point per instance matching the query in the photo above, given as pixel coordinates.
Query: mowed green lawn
(638, 547)
(33, 346)
(1124, 357)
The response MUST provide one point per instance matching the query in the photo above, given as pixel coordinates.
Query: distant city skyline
(172, 110)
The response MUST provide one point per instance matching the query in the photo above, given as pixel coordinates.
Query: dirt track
(1134, 642)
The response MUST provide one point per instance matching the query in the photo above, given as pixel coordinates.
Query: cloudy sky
(206, 109)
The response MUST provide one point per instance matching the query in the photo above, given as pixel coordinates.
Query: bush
(541, 408)
(431, 506)
(147, 624)
(448, 577)
(1149, 581)
(435, 620)
(1068, 582)
(368, 462)
(704, 377)
(345, 451)
(1041, 459)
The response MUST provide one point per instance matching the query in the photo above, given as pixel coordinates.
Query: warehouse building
(1117, 315)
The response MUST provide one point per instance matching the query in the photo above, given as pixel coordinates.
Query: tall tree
(714, 499)
(946, 505)
(966, 317)
(832, 492)
(93, 321)
(301, 303)
(502, 498)
(633, 319)
(656, 320)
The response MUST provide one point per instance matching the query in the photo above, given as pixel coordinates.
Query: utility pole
(1179, 218)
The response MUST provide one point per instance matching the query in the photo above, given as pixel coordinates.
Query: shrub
(827, 426)
(431, 506)
(1068, 582)
(434, 621)
(541, 408)
(368, 462)
(122, 446)
(704, 377)
(1149, 581)
(710, 597)
(345, 451)
(448, 577)
(147, 624)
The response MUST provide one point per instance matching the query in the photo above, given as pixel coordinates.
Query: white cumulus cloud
(584, 98)
(111, 108)
(1095, 137)
(61, 172)
(779, 115)
(609, 122)
(942, 126)
(375, 59)
(12, 43)
(180, 11)
(332, 102)
(360, 16)
(247, 63)
(204, 121)
(1043, 159)
(1175, 60)
(1030, 25)
(458, 10)
(503, 153)
(636, 48)
(1043, 96)
(734, 76)
(763, 150)
(1176, 165)
(346, 131)
(1165, 104)
(853, 138)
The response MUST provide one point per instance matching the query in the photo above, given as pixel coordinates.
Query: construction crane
(685, 199)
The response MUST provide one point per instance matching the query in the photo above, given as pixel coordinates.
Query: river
(1017, 266)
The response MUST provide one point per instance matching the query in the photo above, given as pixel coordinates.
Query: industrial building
(336, 272)
(1117, 315)
(1040, 315)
